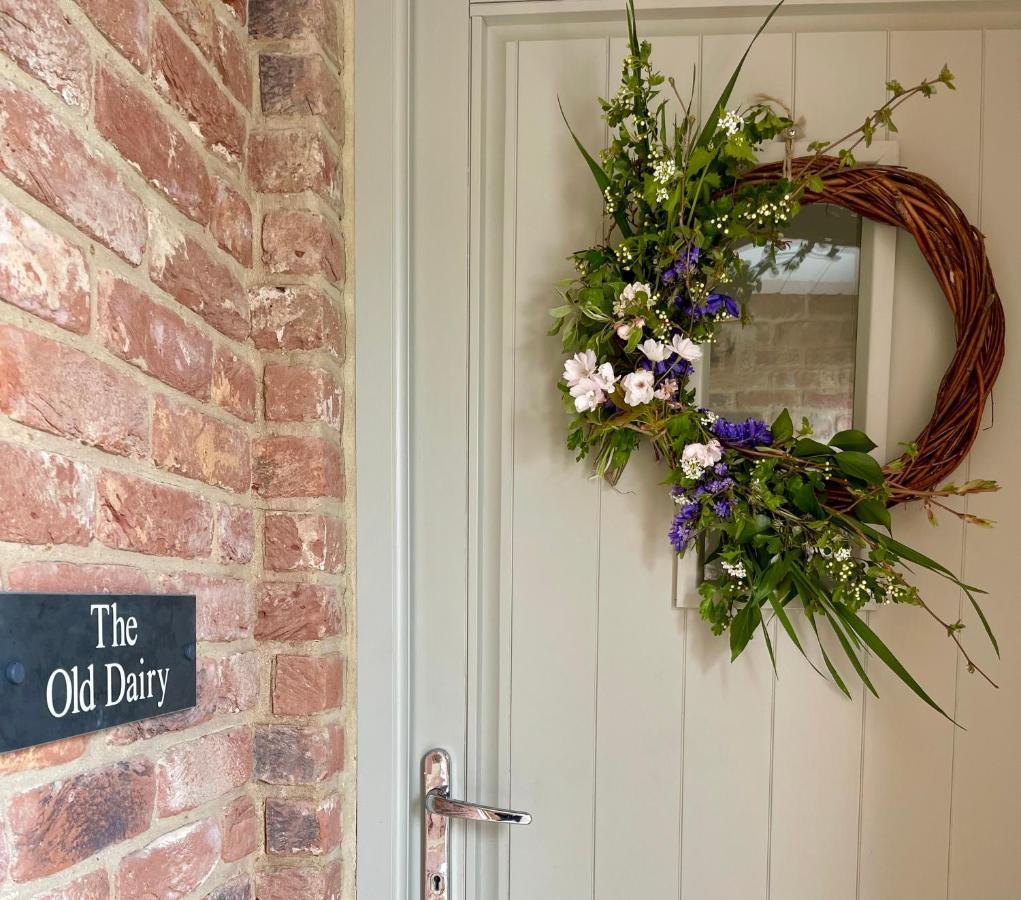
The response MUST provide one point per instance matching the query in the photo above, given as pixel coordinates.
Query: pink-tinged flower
(590, 391)
(667, 389)
(579, 366)
(639, 387)
(704, 455)
(686, 348)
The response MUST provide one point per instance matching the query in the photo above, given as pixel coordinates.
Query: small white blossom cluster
(778, 213)
(589, 382)
(731, 123)
(708, 418)
(696, 458)
(735, 570)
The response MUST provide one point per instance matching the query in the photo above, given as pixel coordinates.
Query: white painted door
(547, 655)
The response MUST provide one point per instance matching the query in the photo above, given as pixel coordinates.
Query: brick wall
(174, 380)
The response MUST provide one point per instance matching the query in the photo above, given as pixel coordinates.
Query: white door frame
(385, 62)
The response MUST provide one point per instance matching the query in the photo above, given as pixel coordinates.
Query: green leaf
(834, 673)
(805, 499)
(850, 651)
(742, 628)
(769, 644)
(852, 440)
(709, 129)
(782, 428)
(873, 511)
(808, 447)
(859, 465)
(876, 645)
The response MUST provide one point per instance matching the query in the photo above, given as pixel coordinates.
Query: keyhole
(436, 883)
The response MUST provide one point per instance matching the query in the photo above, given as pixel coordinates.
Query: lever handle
(438, 803)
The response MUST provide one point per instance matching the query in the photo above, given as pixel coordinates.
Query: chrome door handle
(437, 811)
(438, 803)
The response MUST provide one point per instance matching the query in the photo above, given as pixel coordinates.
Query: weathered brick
(173, 865)
(181, 77)
(41, 272)
(196, 279)
(43, 756)
(42, 40)
(297, 242)
(231, 223)
(295, 19)
(94, 886)
(193, 773)
(235, 534)
(302, 85)
(302, 827)
(55, 388)
(292, 160)
(152, 518)
(306, 685)
(53, 164)
(301, 394)
(225, 607)
(190, 443)
(144, 137)
(125, 24)
(47, 499)
(290, 755)
(304, 542)
(296, 318)
(239, 888)
(224, 686)
(79, 578)
(234, 385)
(153, 338)
(230, 56)
(286, 466)
(239, 8)
(297, 612)
(308, 883)
(240, 830)
(197, 19)
(60, 824)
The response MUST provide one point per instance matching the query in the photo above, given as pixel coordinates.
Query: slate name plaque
(75, 663)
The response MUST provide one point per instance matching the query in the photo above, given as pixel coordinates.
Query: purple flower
(721, 469)
(715, 305)
(688, 512)
(685, 263)
(680, 534)
(722, 508)
(750, 433)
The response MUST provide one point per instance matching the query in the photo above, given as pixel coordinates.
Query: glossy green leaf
(861, 466)
(852, 439)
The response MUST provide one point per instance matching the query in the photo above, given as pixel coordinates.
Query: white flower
(590, 390)
(655, 351)
(686, 348)
(731, 122)
(667, 389)
(632, 290)
(638, 387)
(624, 331)
(579, 366)
(704, 455)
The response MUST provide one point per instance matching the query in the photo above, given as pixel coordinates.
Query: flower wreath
(779, 515)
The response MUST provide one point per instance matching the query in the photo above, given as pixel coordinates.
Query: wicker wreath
(955, 251)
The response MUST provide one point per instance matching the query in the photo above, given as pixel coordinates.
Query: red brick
(230, 56)
(289, 755)
(294, 19)
(41, 272)
(234, 386)
(125, 24)
(53, 164)
(239, 8)
(190, 443)
(173, 865)
(197, 18)
(224, 686)
(302, 827)
(301, 394)
(235, 535)
(307, 883)
(231, 223)
(303, 542)
(240, 830)
(43, 756)
(80, 578)
(181, 77)
(194, 773)
(285, 466)
(296, 242)
(41, 39)
(306, 685)
(142, 135)
(197, 280)
(94, 886)
(297, 612)
(239, 888)
(153, 338)
(296, 318)
(47, 499)
(225, 607)
(60, 824)
(293, 160)
(55, 388)
(302, 85)
(152, 518)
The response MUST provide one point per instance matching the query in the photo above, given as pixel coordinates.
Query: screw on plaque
(15, 672)
(189, 651)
